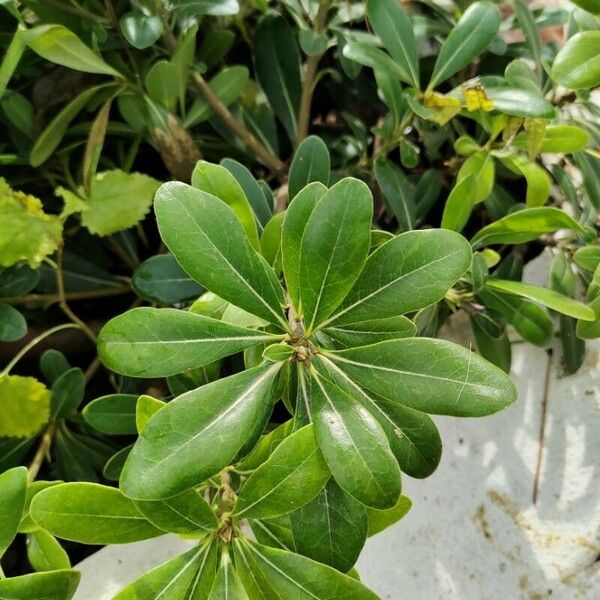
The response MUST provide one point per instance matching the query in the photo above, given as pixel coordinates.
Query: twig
(52, 298)
(43, 450)
(238, 128)
(60, 284)
(308, 87)
(538, 466)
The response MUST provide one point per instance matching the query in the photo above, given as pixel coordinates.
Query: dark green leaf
(113, 414)
(397, 192)
(67, 394)
(311, 163)
(13, 325)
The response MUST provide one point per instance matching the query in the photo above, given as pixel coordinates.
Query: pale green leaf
(24, 405)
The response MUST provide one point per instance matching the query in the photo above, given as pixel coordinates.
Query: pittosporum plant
(324, 326)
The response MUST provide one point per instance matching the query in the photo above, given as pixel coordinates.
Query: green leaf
(67, 394)
(292, 476)
(294, 224)
(13, 325)
(527, 23)
(117, 201)
(263, 210)
(156, 342)
(311, 163)
(538, 180)
(17, 280)
(161, 279)
(589, 330)
(562, 139)
(410, 272)
(27, 232)
(228, 84)
(519, 102)
(331, 529)
(27, 525)
(141, 30)
(492, 341)
(12, 56)
(216, 8)
(481, 166)
(45, 553)
(24, 405)
(588, 257)
(218, 181)
(371, 56)
(459, 204)
(13, 490)
(278, 352)
(162, 83)
(525, 225)
(278, 71)
(298, 577)
(113, 414)
(381, 519)
(472, 34)
(333, 250)
(187, 576)
(577, 65)
(227, 584)
(550, 298)
(50, 138)
(395, 29)
(265, 446)
(145, 408)
(59, 45)
(198, 434)
(433, 376)
(412, 435)
(53, 364)
(353, 443)
(270, 241)
(91, 514)
(397, 192)
(53, 585)
(219, 258)
(372, 331)
(186, 513)
(312, 42)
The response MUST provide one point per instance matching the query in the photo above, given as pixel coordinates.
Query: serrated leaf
(219, 258)
(24, 406)
(334, 247)
(91, 514)
(199, 433)
(156, 342)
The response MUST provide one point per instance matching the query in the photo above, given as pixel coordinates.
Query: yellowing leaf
(446, 107)
(26, 232)
(117, 201)
(24, 406)
(477, 99)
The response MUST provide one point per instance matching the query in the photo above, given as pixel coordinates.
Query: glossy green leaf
(292, 476)
(228, 84)
(300, 578)
(397, 192)
(278, 352)
(91, 514)
(411, 271)
(199, 433)
(333, 250)
(395, 29)
(156, 342)
(13, 490)
(278, 68)
(311, 163)
(294, 224)
(218, 181)
(331, 529)
(141, 30)
(353, 443)
(53, 585)
(45, 553)
(312, 42)
(27, 525)
(371, 56)
(577, 65)
(186, 513)
(481, 166)
(145, 408)
(550, 298)
(59, 45)
(162, 84)
(472, 34)
(379, 520)
(265, 446)
(270, 241)
(161, 279)
(216, 8)
(113, 414)
(67, 394)
(188, 576)
(433, 376)
(219, 258)
(519, 102)
(227, 584)
(459, 204)
(13, 325)
(372, 331)
(525, 225)
(562, 139)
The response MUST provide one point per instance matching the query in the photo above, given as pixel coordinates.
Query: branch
(308, 87)
(238, 128)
